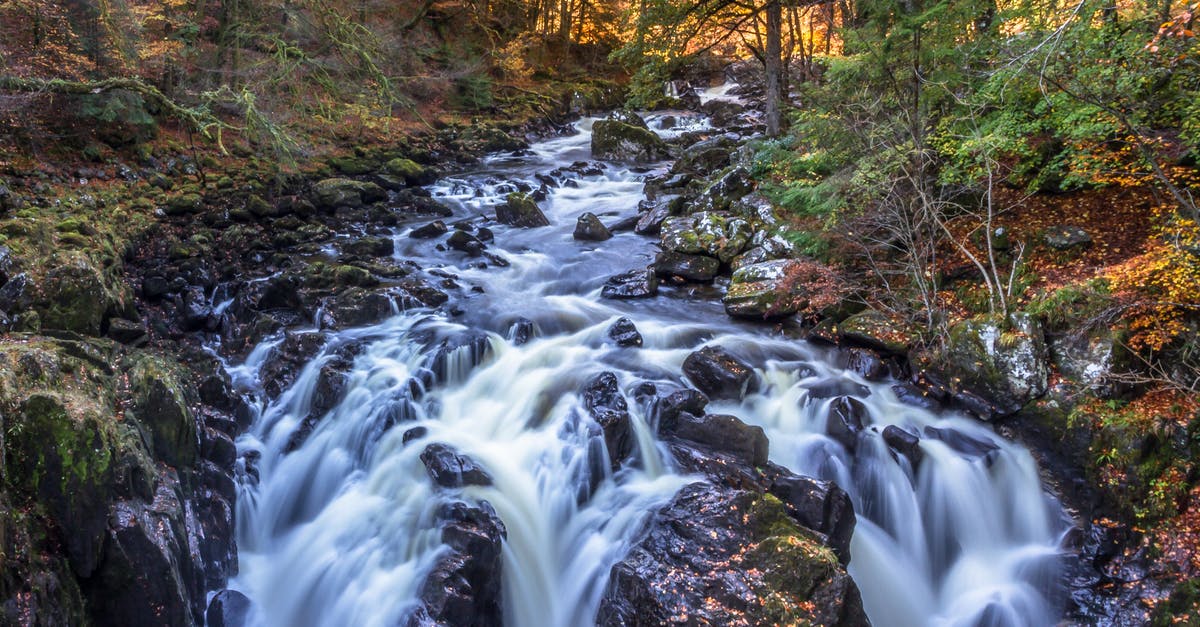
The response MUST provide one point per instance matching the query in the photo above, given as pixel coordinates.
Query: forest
(620, 312)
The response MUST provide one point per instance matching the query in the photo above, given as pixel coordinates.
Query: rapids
(342, 530)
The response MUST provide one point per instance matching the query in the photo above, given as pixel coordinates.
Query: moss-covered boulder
(329, 194)
(877, 331)
(158, 404)
(519, 209)
(613, 140)
(412, 172)
(1003, 361)
(706, 233)
(770, 289)
(75, 296)
(183, 204)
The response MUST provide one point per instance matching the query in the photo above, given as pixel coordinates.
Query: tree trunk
(773, 67)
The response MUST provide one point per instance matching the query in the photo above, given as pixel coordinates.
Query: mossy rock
(75, 297)
(352, 166)
(159, 405)
(876, 331)
(770, 289)
(519, 209)
(332, 193)
(718, 235)
(1003, 361)
(183, 204)
(412, 172)
(613, 140)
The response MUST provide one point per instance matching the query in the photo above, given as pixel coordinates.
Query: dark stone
(624, 333)
(448, 469)
(424, 292)
(962, 443)
(521, 331)
(229, 608)
(698, 268)
(464, 587)
(14, 295)
(465, 242)
(370, 247)
(589, 228)
(625, 224)
(679, 402)
(1066, 237)
(726, 434)
(632, 284)
(358, 307)
(837, 386)
(604, 402)
(650, 222)
(904, 444)
(821, 506)
(127, 332)
(520, 210)
(912, 395)
(720, 375)
(194, 309)
(416, 433)
(431, 230)
(845, 421)
(866, 363)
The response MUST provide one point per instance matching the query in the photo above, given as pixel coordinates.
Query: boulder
(770, 289)
(695, 268)
(159, 405)
(724, 434)
(329, 194)
(74, 297)
(623, 333)
(877, 332)
(229, 608)
(715, 553)
(613, 140)
(718, 374)
(412, 172)
(1005, 362)
(449, 469)
(706, 233)
(904, 444)
(464, 586)
(603, 400)
(650, 221)
(821, 506)
(677, 403)
(358, 307)
(589, 228)
(1066, 237)
(429, 231)
(520, 210)
(845, 421)
(370, 247)
(722, 193)
(1094, 361)
(632, 284)
(705, 157)
(465, 242)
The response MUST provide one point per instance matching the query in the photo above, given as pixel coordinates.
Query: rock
(357, 307)
(1094, 361)
(589, 228)
(705, 157)
(723, 113)
(1066, 237)
(962, 443)
(626, 116)
(632, 284)
(521, 331)
(1006, 364)
(465, 242)
(75, 297)
(623, 333)
(229, 608)
(520, 210)
(626, 224)
(14, 294)
(677, 403)
(830, 387)
(720, 375)
(706, 233)
(370, 247)
(464, 587)
(329, 194)
(423, 292)
(875, 331)
(412, 172)
(604, 402)
(127, 332)
(821, 506)
(770, 289)
(715, 553)
(912, 395)
(719, 195)
(845, 421)
(650, 222)
(448, 469)
(194, 311)
(696, 268)
(160, 406)
(613, 140)
(183, 204)
(724, 434)
(866, 363)
(428, 231)
(904, 444)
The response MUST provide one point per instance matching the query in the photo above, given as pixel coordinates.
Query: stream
(344, 529)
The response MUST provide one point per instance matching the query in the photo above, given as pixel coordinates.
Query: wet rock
(912, 395)
(962, 443)
(696, 268)
(14, 294)
(370, 247)
(127, 332)
(623, 333)
(194, 310)
(1005, 362)
(75, 297)
(521, 331)
(875, 331)
(464, 587)
(589, 228)
(718, 374)
(448, 469)
(465, 242)
(455, 356)
(603, 399)
(670, 407)
(329, 194)
(705, 157)
(613, 140)
(1066, 237)
(716, 553)
(626, 116)
(845, 421)
(229, 608)
(866, 363)
(821, 506)
(725, 434)
(428, 231)
(770, 289)
(357, 307)
(624, 225)
(632, 284)
(706, 233)
(520, 210)
(718, 196)
(904, 444)
(830, 387)
(723, 113)
(650, 222)
(160, 405)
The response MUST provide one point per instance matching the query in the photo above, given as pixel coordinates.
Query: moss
(158, 402)
(792, 563)
(413, 172)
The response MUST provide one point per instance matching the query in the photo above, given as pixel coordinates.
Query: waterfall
(342, 527)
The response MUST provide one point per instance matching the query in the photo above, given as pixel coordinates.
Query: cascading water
(342, 529)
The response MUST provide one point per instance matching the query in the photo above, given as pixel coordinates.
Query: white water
(343, 530)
